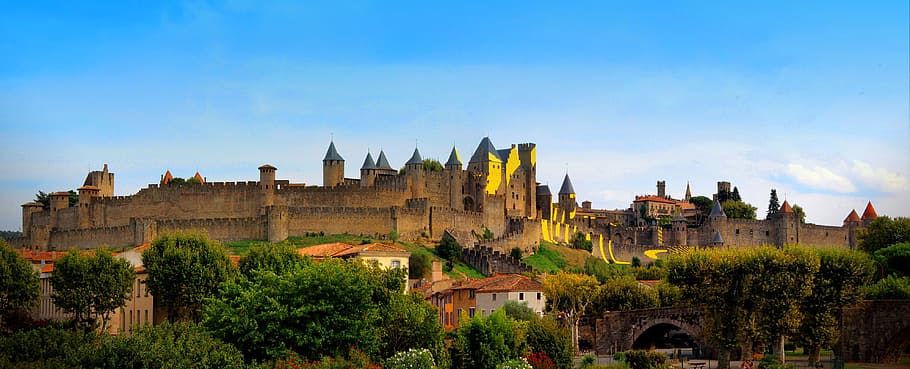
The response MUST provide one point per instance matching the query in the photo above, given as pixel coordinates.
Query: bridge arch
(643, 337)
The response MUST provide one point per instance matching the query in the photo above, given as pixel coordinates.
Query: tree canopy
(884, 232)
(184, 269)
(91, 285)
(18, 282)
(569, 294)
(278, 258)
(773, 204)
(738, 209)
(800, 213)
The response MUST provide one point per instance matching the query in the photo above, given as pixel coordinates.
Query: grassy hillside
(552, 257)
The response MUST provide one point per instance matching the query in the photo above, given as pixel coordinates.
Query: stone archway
(667, 332)
(469, 204)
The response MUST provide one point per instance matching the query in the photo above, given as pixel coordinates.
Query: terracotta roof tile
(653, 198)
(785, 208)
(852, 217)
(869, 213)
(325, 250)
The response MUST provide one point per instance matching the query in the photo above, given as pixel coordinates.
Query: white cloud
(879, 178)
(820, 178)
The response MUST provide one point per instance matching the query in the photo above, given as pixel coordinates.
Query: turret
(688, 192)
(58, 201)
(487, 162)
(852, 222)
(332, 167)
(527, 152)
(267, 184)
(788, 225)
(544, 201)
(102, 179)
(414, 169)
(717, 213)
(662, 189)
(368, 171)
(456, 180)
(680, 234)
(567, 202)
(869, 214)
(86, 194)
(28, 209)
(454, 162)
(382, 165)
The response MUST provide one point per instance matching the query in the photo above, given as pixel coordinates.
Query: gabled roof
(483, 151)
(332, 154)
(454, 159)
(415, 158)
(717, 237)
(717, 210)
(501, 283)
(368, 162)
(567, 187)
(785, 207)
(543, 190)
(370, 248)
(382, 162)
(653, 198)
(869, 213)
(324, 250)
(852, 217)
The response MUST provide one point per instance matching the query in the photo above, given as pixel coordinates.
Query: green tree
(570, 294)
(193, 181)
(894, 259)
(735, 196)
(800, 213)
(515, 253)
(184, 269)
(581, 242)
(176, 181)
(703, 206)
(884, 232)
(321, 309)
(891, 287)
(168, 346)
(409, 322)
(91, 286)
(838, 283)
(738, 209)
(277, 258)
(546, 335)
(485, 342)
(419, 265)
(432, 165)
(18, 282)
(448, 248)
(623, 294)
(519, 310)
(602, 271)
(773, 205)
(487, 233)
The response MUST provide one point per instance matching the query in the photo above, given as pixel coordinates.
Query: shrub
(515, 253)
(411, 359)
(891, 287)
(515, 364)
(448, 248)
(540, 360)
(643, 359)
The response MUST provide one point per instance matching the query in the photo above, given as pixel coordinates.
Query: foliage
(409, 322)
(183, 270)
(487, 233)
(890, 287)
(773, 204)
(394, 235)
(580, 242)
(623, 294)
(419, 265)
(546, 336)
(703, 204)
(735, 195)
(519, 310)
(45, 200)
(411, 359)
(277, 258)
(432, 165)
(18, 282)
(546, 259)
(520, 363)
(354, 359)
(636, 262)
(772, 362)
(10, 234)
(644, 359)
(602, 271)
(738, 209)
(164, 346)
(570, 294)
(91, 286)
(649, 273)
(448, 248)
(485, 342)
(894, 259)
(800, 213)
(884, 232)
(539, 360)
(668, 294)
(837, 283)
(515, 253)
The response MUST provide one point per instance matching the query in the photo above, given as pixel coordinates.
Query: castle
(497, 185)
(498, 190)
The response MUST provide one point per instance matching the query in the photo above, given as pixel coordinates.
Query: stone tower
(567, 202)
(415, 174)
(662, 189)
(456, 180)
(787, 225)
(102, 179)
(680, 233)
(488, 164)
(86, 194)
(267, 184)
(868, 214)
(688, 192)
(332, 167)
(527, 152)
(383, 167)
(852, 222)
(368, 172)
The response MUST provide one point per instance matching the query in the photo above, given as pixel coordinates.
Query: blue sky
(810, 98)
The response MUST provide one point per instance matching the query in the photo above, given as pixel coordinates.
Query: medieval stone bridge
(873, 331)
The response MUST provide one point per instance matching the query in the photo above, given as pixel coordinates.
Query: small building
(485, 296)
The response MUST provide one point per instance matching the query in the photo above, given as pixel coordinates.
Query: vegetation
(419, 265)
(773, 205)
(703, 205)
(546, 336)
(884, 232)
(738, 209)
(515, 253)
(277, 258)
(432, 165)
(622, 294)
(546, 259)
(448, 248)
(894, 259)
(91, 286)
(890, 287)
(570, 294)
(486, 342)
(185, 269)
(18, 282)
(581, 242)
(800, 213)
(45, 200)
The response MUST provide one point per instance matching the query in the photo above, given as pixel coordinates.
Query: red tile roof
(653, 198)
(869, 213)
(852, 217)
(325, 250)
(501, 282)
(785, 208)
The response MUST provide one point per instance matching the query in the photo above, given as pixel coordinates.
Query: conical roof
(199, 177)
(543, 190)
(332, 154)
(415, 158)
(688, 192)
(382, 162)
(869, 213)
(717, 238)
(484, 149)
(454, 159)
(368, 162)
(567, 187)
(717, 211)
(852, 217)
(785, 207)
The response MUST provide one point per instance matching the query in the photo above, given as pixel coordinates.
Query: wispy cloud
(821, 178)
(880, 179)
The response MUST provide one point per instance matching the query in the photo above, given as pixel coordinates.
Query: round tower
(567, 202)
(414, 169)
(368, 172)
(332, 167)
(86, 194)
(680, 230)
(267, 184)
(28, 209)
(59, 201)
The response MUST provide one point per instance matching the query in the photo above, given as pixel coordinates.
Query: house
(384, 255)
(485, 296)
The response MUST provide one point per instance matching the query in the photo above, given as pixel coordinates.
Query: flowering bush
(540, 360)
(355, 360)
(515, 364)
(411, 359)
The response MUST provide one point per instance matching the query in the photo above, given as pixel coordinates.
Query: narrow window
(521, 296)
